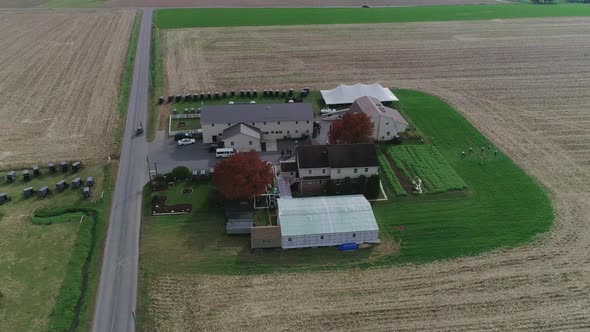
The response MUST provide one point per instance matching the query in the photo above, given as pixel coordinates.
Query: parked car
(186, 141)
(179, 136)
(225, 152)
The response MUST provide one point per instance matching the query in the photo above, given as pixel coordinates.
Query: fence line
(179, 116)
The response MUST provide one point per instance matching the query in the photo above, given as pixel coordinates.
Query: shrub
(346, 188)
(181, 173)
(330, 188)
(373, 187)
(361, 184)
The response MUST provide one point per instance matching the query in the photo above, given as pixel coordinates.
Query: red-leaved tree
(352, 128)
(242, 176)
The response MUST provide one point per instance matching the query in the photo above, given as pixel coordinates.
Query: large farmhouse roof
(249, 113)
(325, 215)
(347, 94)
(337, 155)
(373, 107)
(241, 128)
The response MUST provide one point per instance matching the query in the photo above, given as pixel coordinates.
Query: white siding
(270, 130)
(349, 172)
(386, 128)
(241, 143)
(305, 172)
(331, 239)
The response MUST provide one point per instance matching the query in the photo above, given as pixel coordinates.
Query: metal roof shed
(326, 221)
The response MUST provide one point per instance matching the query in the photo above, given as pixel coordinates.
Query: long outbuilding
(326, 221)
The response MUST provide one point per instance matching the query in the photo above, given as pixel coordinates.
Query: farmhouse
(326, 221)
(387, 121)
(315, 165)
(347, 94)
(256, 126)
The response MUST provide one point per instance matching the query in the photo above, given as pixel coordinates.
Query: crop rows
(391, 179)
(426, 162)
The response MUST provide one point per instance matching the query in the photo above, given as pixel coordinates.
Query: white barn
(326, 221)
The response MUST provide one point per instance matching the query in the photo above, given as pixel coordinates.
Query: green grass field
(185, 124)
(42, 256)
(504, 207)
(426, 162)
(225, 17)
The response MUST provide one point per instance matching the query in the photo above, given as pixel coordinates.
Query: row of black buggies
(60, 186)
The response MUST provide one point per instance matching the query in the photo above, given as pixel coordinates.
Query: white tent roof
(325, 215)
(347, 94)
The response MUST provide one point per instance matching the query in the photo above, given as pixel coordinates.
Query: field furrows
(59, 82)
(522, 83)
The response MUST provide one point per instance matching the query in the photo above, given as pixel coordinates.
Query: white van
(225, 152)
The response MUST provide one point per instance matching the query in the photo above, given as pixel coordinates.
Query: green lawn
(425, 162)
(504, 207)
(42, 257)
(224, 17)
(185, 124)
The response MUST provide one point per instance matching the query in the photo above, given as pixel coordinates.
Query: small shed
(77, 183)
(86, 192)
(90, 181)
(239, 222)
(36, 170)
(28, 192)
(76, 166)
(11, 176)
(265, 237)
(64, 166)
(51, 167)
(26, 175)
(61, 185)
(43, 192)
(4, 198)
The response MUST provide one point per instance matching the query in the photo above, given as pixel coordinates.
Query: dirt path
(523, 83)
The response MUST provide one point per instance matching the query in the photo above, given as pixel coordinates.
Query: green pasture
(503, 207)
(229, 17)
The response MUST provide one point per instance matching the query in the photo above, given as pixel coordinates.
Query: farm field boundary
(232, 17)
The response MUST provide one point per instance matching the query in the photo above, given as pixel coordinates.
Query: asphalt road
(117, 291)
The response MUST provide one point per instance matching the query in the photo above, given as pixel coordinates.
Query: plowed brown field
(523, 83)
(59, 84)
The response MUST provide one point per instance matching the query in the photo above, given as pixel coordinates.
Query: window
(266, 242)
(265, 123)
(320, 181)
(339, 171)
(296, 131)
(287, 131)
(353, 234)
(321, 237)
(388, 133)
(323, 171)
(387, 123)
(366, 169)
(249, 142)
(213, 125)
(307, 131)
(229, 124)
(307, 121)
(232, 143)
(272, 132)
(296, 122)
(279, 122)
(309, 171)
(356, 170)
(289, 239)
(266, 132)
(338, 182)
(253, 124)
